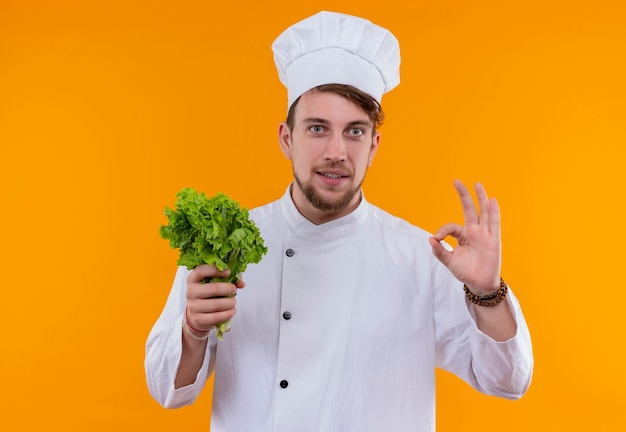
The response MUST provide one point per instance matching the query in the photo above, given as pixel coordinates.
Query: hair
(361, 99)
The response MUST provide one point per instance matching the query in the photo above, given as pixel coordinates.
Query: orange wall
(108, 108)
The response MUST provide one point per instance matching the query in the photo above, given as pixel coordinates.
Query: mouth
(332, 176)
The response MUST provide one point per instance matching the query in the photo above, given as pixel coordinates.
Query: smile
(332, 176)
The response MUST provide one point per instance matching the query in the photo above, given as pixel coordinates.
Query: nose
(335, 149)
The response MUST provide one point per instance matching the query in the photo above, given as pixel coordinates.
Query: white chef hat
(335, 48)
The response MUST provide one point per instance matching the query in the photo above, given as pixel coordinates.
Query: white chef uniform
(340, 328)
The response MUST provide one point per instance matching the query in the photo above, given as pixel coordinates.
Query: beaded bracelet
(488, 300)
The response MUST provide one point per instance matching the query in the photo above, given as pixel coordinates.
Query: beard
(326, 205)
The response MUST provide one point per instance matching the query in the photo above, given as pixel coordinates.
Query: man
(347, 316)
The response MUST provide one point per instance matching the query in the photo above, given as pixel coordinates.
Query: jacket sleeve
(164, 348)
(501, 369)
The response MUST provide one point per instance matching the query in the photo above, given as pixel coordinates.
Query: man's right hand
(209, 304)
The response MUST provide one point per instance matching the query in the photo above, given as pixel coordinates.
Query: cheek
(306, 155)
(365, 159)
(301, 162)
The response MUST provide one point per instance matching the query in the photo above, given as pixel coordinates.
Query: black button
(287, 315)
(290, 253)
(284, 384)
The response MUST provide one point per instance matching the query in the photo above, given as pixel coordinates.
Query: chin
(333, 203)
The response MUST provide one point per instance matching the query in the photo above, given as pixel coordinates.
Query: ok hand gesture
(477, 259)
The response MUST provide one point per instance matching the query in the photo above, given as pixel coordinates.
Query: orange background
(108, 108)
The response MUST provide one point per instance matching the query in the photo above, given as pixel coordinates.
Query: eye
(356, 132)
(316, 129)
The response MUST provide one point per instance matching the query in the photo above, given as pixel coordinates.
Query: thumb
(442, 253)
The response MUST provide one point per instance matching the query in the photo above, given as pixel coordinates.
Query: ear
(284, 139)
(373, 148)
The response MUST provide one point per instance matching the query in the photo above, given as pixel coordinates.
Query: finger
(211, 305)
(203, 271)
(441, 253)
(203, 314)
(210, 290)
(210, 320)
(483, 204)
(469, 210)
(494, 217)
(240, 283)
(449, 229)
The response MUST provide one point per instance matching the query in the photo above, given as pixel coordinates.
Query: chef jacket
(340, 328)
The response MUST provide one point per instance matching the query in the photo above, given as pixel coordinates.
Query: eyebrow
(315, 120)
(353, 123)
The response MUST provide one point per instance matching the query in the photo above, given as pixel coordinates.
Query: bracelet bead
(488, 300)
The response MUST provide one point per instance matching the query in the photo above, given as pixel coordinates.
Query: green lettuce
(213, 231)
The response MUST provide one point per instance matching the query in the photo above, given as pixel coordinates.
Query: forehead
(329, 106)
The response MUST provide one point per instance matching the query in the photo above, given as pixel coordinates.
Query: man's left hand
(477, 259)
